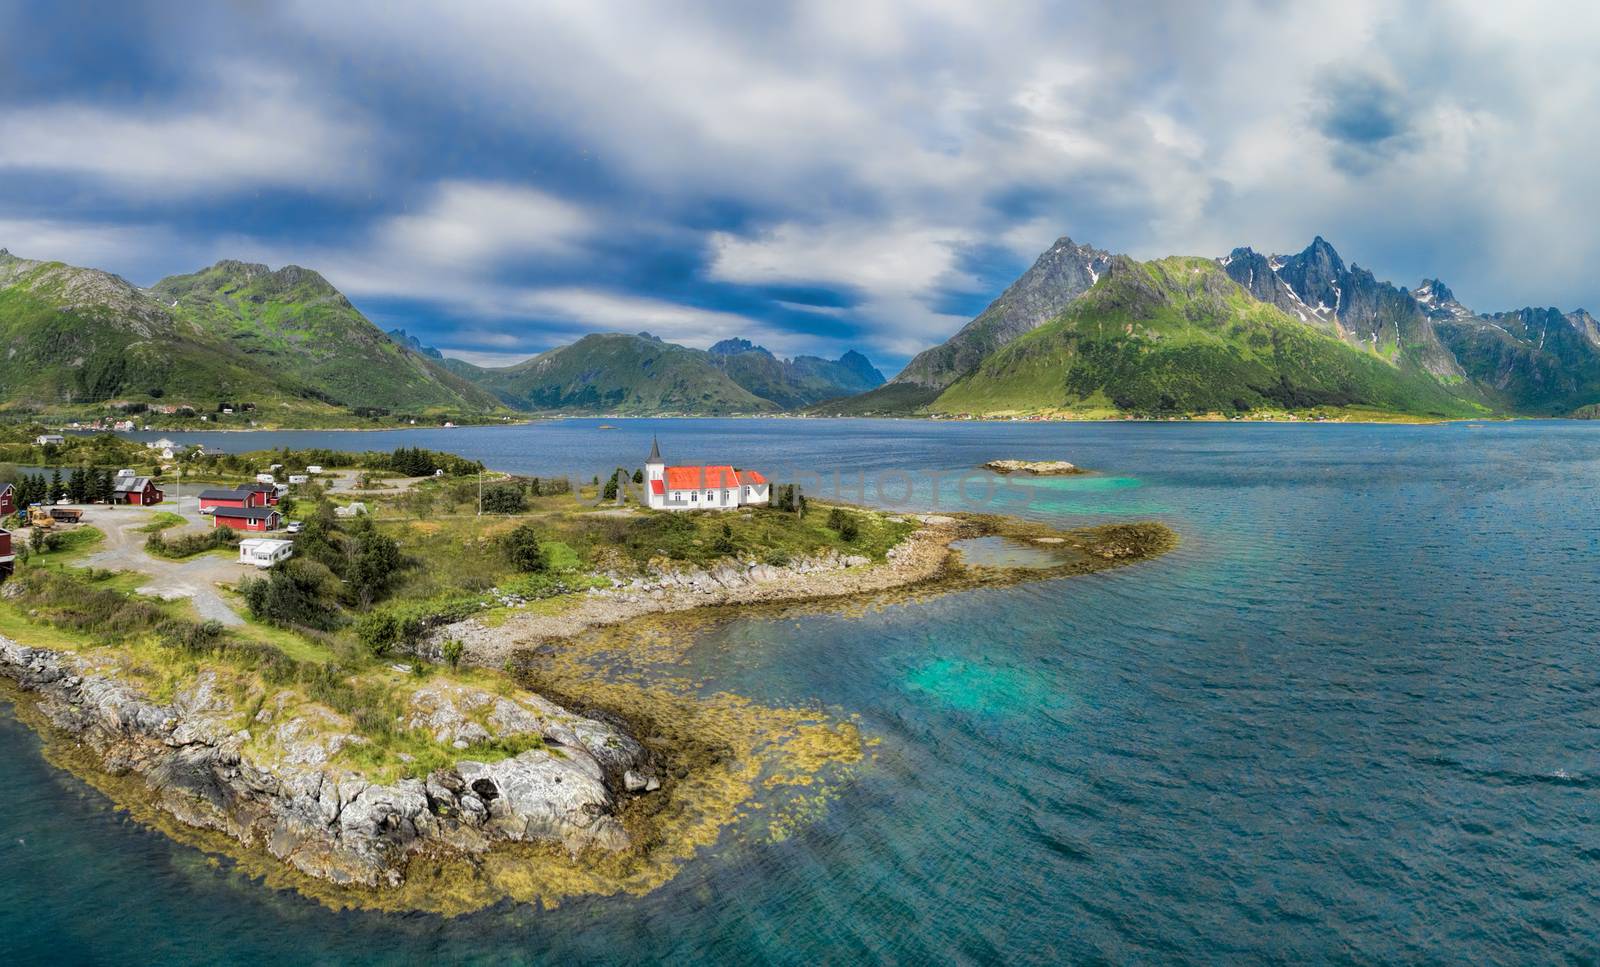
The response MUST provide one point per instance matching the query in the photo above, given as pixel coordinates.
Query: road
(195, 578)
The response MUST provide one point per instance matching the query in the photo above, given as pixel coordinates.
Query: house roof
(261, 488)
(701, 478)
(127, 485)
(751, 477)
(248, 513)
(222, 495)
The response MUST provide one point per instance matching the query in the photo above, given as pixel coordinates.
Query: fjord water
(1354, 717)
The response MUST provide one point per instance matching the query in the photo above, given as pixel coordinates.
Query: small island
(1036, 468)
(413, 704)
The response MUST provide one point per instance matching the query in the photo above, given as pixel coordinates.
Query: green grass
(161, 521)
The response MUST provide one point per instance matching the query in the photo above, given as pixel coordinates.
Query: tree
(78, 485)
(56, 490)
(522, 550)
(376, 566)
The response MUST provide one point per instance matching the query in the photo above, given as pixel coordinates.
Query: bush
(451, 651)
(522, 550)
(504, 499)
(188, 545)
(844, 524)
(294, 594)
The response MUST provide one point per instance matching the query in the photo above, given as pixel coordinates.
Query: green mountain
(1061, 274)
(82, 337)
(1178, 336)
(621, 373)
(285, 341)
(293, 323)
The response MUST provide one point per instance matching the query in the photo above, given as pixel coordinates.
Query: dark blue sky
(501, 178)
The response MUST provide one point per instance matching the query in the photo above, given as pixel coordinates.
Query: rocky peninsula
(447, 745)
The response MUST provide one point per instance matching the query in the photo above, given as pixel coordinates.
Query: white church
(711, 487)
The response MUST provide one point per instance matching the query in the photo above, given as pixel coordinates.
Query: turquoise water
(1355, 717)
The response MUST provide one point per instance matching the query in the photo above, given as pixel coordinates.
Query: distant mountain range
(1082, 332)
(1086, 333)
(639, 374)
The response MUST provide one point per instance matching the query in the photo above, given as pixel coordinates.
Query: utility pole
(480, 492)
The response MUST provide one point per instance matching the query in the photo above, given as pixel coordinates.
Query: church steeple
(655, 451)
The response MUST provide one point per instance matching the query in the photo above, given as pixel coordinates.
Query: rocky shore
(286, 795)
(923, 556)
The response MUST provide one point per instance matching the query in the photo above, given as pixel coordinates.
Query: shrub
(522, 550)
(451, 651)
(504, 499)
(844, 524)
(294, 594)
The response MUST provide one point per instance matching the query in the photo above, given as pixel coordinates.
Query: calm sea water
(1355, 718)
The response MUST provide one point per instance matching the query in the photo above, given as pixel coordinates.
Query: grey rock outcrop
(329, 821)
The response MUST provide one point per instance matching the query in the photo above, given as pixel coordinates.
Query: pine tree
(56, 489)
(77, 486)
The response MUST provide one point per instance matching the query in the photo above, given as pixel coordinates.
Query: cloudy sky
(502, 178)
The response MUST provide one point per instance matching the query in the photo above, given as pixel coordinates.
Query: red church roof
(701, 478)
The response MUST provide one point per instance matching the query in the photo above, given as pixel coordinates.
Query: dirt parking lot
(195, 579)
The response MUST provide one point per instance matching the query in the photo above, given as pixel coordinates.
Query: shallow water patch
(982, 688)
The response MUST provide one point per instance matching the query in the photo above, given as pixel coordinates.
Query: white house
(45, 439)
(264, 551)
(709, 487)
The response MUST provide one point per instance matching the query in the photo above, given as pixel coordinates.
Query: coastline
(623, 783)
(925, 560)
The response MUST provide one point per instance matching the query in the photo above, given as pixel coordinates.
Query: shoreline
(625, 781)
(925, 560)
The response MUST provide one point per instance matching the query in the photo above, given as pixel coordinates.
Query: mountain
(414, 344)
(1064, 272)
(1541, 362)
(1181, 336)
(621, 373)
(794, 383)
(293, 324)
(286, 341)
(1316, 287)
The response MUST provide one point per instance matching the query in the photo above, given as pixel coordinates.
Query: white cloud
(486, 358)
(898, 270)
(255, 129)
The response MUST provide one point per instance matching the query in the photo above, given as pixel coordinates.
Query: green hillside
(1178, 337)
(85, 342)
(621, 373)
(82, 338)
(292, 323)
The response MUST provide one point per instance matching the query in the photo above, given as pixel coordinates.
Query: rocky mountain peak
(736, 345)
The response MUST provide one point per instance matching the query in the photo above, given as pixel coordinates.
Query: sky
(502, 178)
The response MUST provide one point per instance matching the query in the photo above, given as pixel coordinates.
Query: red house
(8, 500)
(266, 494)
(7, 558)
(139, 491)
(212, 499)
(246, 518)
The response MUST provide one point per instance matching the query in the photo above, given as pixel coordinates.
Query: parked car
(294, 526)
